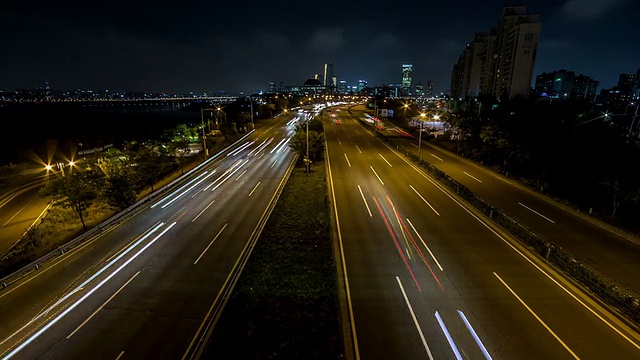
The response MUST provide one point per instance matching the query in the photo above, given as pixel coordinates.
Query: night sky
(240, 46)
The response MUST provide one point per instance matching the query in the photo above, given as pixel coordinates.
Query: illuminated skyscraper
(407, 73)
(328, 74)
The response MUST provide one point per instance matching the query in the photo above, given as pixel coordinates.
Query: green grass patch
(285, 304)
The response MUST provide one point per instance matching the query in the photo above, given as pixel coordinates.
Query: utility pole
(251, 101)
(307, 160)
(204, 135)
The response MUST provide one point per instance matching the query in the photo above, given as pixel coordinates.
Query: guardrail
(599, 284)
(118, 218)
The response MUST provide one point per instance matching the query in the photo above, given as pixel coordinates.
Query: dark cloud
(187, 46)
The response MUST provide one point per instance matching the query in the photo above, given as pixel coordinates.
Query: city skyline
(177, 49)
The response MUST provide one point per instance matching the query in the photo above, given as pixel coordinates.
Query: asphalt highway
(18, 212)
(427, 277)
(612, 252)
(152, 286)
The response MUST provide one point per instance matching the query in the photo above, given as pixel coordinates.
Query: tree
(75, 190)
(298, 143)
(119, 190)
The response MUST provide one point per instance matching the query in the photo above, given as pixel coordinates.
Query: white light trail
(475, 336)
(84, 297)
(182, 187)
(448, 336)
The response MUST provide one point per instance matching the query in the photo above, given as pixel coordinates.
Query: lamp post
(307, 160)
(204, 134)
(422, 115)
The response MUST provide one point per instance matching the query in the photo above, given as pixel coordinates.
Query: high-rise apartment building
(499, 62)
(407, 74)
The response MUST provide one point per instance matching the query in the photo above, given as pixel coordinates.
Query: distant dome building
(312, 82)
(310, 87)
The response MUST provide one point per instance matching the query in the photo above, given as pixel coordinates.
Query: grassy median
(285, 305)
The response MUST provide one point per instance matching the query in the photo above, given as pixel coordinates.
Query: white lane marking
(211, 243)
(537, 317)
(388, 163)
(452, 344)
(357, 147)
(415, 145)
(254, 188)
(102, 306)
(339, 142)
(203, 210)
(182, 187)
(420, 171)
(475, 336)
(425, 245)
(376, 174)
(239, 176)
(415, 320)
(120, 355)
(436, 157)
(425, 200)
(53, 321)
(537, 213)
(365, 201)
(274, 164)
(349, 163)
(473, 177)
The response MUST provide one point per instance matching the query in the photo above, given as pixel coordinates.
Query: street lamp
(422, 115)
(204, 135)
(307, 160)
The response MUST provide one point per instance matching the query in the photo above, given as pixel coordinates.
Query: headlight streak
(475, 336)
(346, 158)
(79, 287)
(256, 148)
(365, 201)
(425, 245)
(423, 199)
(516, 250)
(230, 175)
(182, 187)
(395, 240)
(211, 243)
(415, 320)
(186, 191)
(254, 188)
(376, 175)
(238, 162)
(283, 145)
(238, 150)
(454, 348)
(403, 226)
(102, 306)
(96, 287)
(261, 147)
(277, 146)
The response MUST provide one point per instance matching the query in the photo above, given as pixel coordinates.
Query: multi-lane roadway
(152, 285)
(427, 277)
